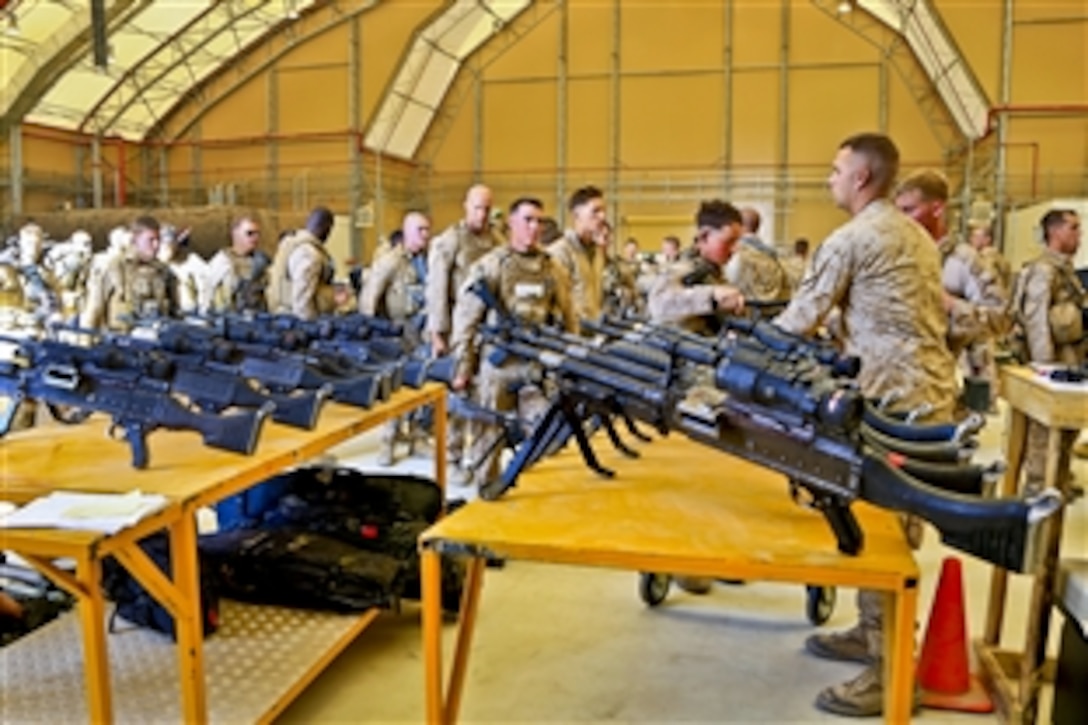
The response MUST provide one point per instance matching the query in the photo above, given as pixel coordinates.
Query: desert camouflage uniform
(794, 266)
(189, 274)
(683, 294)
(621, 294)
(979, 357)
(236, 282)
(451, 255)
(884, 273)
(584, 266)
(1048, 324)
(300, 281)
(128, 289)
(531, 287)
(978, 314)
(394, 290)
(13, 319)
(756, 271)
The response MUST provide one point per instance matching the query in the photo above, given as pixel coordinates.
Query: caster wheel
(653, 588)
(819, 603)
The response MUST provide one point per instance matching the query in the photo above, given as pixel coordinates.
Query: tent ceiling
(429, 68)
(158, 52)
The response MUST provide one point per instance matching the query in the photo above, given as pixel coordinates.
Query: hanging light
(845, 7)
(292, 10)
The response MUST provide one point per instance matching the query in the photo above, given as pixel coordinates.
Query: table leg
(999, 578)
(190, 620)
(899, 615)
(440, 453)
(92, 614)
(431, 586)
(1042, 593)
(469, 606)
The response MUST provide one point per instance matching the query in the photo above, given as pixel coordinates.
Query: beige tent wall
(677, 102)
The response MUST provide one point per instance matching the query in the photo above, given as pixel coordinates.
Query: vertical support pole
(477, 124)
(968, 182)
(272, 125)
(80, 153)
(614, 136)
(882, 96)
(196, 170)
(355, 139)
(96, 170)
(561, 95)
(15, 154)
(727, 98)
(1005, 98)
(379, 197)
(145, 172)
(164, 176)
(781, 188)
(120, 192)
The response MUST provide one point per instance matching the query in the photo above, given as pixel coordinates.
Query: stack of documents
(105, 512)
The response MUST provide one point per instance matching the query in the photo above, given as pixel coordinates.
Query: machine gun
(137, 404)
(275, 370)
(788, 413)
(208, 389)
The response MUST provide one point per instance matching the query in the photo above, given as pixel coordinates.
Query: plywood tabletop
(681, 505)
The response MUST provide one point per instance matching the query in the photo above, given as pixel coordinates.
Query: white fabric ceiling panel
(435, 79)
(429, 69)
(409, 131)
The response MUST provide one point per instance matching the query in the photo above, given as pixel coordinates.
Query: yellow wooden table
(190, 475)
(1013, 678)
(681, 508)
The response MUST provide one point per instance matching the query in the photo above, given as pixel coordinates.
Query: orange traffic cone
(943, 675)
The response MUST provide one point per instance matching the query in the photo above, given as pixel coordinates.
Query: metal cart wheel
(819, 603)
(653, 588)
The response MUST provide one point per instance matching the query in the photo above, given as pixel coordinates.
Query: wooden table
(1013, 678)
(190, 475)
(681, 508)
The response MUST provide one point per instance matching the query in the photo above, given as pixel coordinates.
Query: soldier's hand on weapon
(461, 381)
(728, 299)
(948, 300)
(438, 344)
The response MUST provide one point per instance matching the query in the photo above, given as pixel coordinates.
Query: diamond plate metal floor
(259, 660)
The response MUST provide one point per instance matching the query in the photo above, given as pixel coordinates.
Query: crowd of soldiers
(893, 285)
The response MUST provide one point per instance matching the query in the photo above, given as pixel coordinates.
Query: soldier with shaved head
(394, 289)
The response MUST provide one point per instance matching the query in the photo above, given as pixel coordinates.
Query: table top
(681, 507)
(56, 457)
(1057, 405)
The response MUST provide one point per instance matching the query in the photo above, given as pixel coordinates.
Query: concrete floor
(557, 643)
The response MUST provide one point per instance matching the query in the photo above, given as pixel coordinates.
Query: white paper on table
(105, 512)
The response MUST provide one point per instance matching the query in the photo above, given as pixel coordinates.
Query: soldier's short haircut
(240, 220)
(717, 214)
(800, 246)
(147, 222)
(931, 184)
(882, 155)
(584, 195)
(671, 240)
(1054, 219)
(521, 200)
(396, 238)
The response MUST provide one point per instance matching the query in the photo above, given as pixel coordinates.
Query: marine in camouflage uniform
(1048, 313)
(135, 286)
(237, 275)
(979, 359)
(755, 268)
(622, 297)
(394, 289)
(529, 286)
(300, 281)
(452, 253)
(974, 299)
(582, 251)
(188, 268)
(691, 292)
(884, 273)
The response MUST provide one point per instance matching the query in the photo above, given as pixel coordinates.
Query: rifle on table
(204, 386)
(273, 369)
(137, 404)
(788, 413)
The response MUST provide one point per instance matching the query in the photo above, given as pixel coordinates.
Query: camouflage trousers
(1035, 455)
(502, 388)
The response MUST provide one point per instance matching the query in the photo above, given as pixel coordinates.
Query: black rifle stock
(136, 404)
